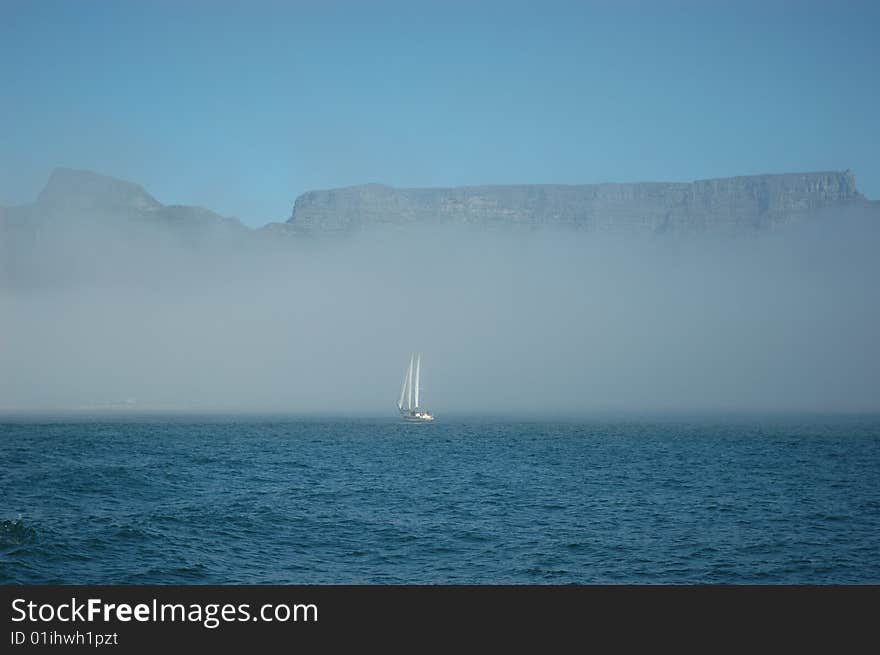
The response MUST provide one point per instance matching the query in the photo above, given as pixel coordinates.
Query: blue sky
(242, 106)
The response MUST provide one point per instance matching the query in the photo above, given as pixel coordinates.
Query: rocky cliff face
(724, 205)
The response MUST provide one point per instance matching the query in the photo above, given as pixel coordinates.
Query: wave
(15, 532)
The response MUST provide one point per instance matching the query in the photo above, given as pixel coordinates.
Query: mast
(409, 382)
(418, 366)
(402, 391)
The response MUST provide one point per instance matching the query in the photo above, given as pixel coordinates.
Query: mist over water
(547, 322)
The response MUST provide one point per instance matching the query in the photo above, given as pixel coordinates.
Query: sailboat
(408, 405)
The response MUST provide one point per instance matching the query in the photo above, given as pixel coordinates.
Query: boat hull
(409, 418)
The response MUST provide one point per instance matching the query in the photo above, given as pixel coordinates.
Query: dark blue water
(343, 501)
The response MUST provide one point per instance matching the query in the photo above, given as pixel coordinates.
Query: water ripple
(309, 501)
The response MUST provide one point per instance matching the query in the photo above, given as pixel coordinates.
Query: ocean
(281, 500)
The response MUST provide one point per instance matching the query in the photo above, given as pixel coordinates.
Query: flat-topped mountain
(73, 199)
(724, 205)
(89, 226)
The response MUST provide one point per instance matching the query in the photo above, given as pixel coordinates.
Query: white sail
(403, 388)
(418, 366)
(409, 384)
(410, 400)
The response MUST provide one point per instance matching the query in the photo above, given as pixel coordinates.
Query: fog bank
(539, 323)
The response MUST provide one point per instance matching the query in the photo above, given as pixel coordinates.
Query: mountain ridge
(730, 204)
(733, 204)
(72, 196)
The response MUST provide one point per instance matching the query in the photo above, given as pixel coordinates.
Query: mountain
(83, 191)
(86, 226)
(728, 205)
(74, 198)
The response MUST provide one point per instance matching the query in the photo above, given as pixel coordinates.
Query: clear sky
(241, 106)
